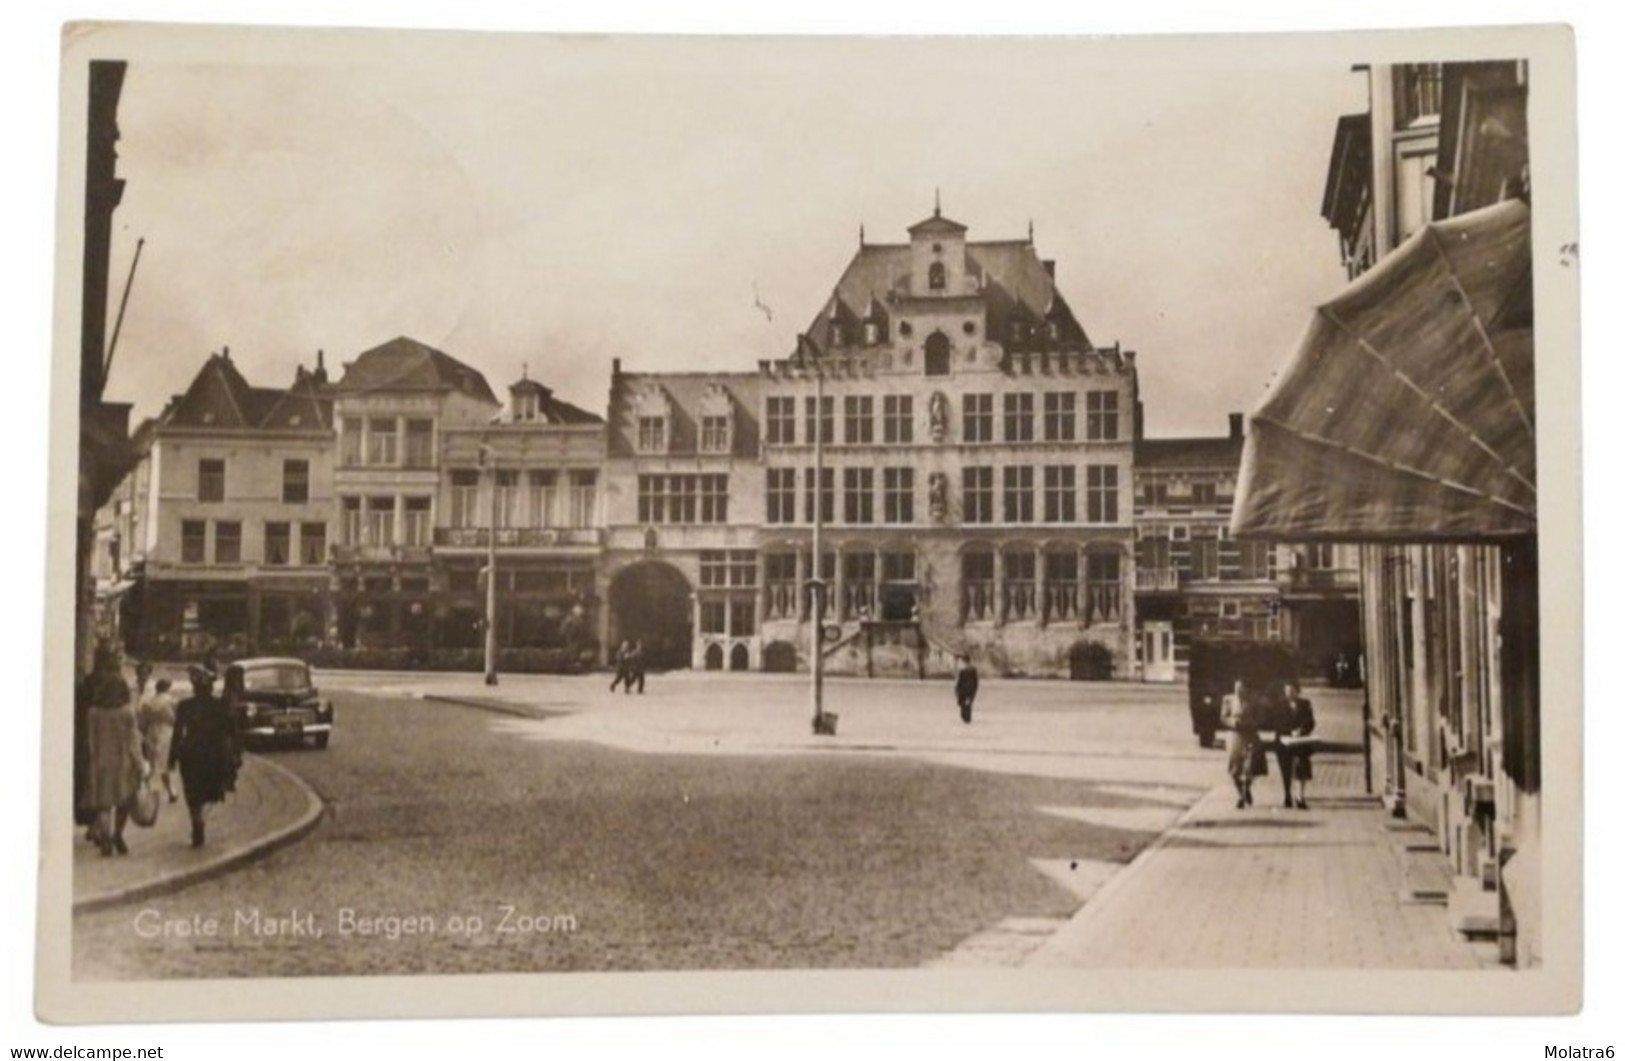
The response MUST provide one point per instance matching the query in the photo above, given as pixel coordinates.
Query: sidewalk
(271, 807)
(1266, 887)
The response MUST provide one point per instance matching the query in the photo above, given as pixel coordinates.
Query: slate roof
(1014, 285)
(1187, 454)
(549, 409)
(219, 397)
(406, 364)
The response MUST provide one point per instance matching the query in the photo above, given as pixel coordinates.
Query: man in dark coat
(966, 683)
(207, 748)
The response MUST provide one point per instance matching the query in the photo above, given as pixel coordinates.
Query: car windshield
(279, 678)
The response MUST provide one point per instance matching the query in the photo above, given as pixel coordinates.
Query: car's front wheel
(321, 740)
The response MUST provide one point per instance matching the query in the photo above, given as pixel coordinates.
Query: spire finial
(524, 370)
(936, 209)
(1029, 230)
(861, 241)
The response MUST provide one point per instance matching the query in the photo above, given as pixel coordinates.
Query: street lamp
(823, 724)
(488, 458)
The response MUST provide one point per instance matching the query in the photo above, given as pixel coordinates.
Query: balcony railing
(517, 537)
(408, 554)
(1156, 578)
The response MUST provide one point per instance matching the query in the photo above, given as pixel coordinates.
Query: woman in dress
(156, 718)
(206, 747)
(1240, 714)
(116, 765)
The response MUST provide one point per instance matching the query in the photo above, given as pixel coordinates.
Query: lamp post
(487, 457)
(823, 724)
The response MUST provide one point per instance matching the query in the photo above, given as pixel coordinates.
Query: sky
(547, 205)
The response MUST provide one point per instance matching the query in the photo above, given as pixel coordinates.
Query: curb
(1114, 884)
(500, 707)
(228, 861)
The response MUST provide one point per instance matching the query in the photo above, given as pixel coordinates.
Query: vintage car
(1215, 666)
(276, 700)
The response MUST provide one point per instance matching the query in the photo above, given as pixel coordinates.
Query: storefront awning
(1408, 411)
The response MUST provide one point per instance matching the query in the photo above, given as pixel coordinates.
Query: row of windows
(1019, 497)
(1159, 493)
(280, 547)
(1206, 558)
(1023, 420)
(716, 434)
(543, 498)
(682, 498)
(211, 481)
(386, 442)
(872, 333)
(372, 521)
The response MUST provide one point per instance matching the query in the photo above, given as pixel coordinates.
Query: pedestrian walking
(635, 667)
(115, 765)
(622, 677)
(1239, 713)
(1294, 745)
(155, 717)
(206, 747)
(966, 682)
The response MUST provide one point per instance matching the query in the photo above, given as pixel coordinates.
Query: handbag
(1258, 763)
(144, 806)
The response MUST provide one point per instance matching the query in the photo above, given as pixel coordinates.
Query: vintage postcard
(629, 524)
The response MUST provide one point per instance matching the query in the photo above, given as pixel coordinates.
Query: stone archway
(739, 658)
(650, 601)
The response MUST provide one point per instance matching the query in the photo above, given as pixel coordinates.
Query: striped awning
(1408, 411)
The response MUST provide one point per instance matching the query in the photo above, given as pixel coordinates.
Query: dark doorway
(779, 657)
(739, 658)
(937, 355)
(650, 602)
(713, 656)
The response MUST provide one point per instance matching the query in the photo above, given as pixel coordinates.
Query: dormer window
(651, 434)
(937, 276)
(714, 434)
(871, 333)
(836, 336)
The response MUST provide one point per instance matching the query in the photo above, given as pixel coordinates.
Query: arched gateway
(650, 601)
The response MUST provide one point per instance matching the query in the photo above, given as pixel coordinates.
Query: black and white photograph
(932, 523)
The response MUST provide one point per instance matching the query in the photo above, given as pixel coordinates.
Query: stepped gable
(406, 364)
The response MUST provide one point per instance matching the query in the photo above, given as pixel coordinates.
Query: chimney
(320, 375)
(1049, 267)
(225, 353)
(1139, 420)
(615, 367)
(1237, 430)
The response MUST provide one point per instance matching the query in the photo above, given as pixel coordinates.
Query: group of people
(127, 742)
(629, 669)
(1292, 720)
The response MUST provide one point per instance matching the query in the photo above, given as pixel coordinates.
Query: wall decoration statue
(939, 417)
(938, 493)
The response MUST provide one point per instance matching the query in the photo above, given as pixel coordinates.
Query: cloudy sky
(557, 203)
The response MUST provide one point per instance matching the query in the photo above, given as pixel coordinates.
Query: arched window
(936, 355)
(938, 276)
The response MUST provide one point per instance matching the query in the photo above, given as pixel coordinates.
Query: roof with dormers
(220, 398)
(404, 364)
(549, 410)
(1011, 280)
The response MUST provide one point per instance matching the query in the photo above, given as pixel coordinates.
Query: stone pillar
(802, 610)
(1038, 586)
(998, 584)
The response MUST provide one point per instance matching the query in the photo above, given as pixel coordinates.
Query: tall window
(1060, 493)
(1060, 416)
(465, 497)
(1061, 586)
(295, 482)
(938, 355)
(978, 418)
(781, 421)
(1204, 558)
(1102, 487)
(713, 499)
(781, 495)
(1018, 417)
(976, 584)
(583, 497)
(228, 541)
(417, 530)
(651, 434)
(419, 443)
(278, 544)
(350, 433)
(1018, 494)
(976, 490)
(350, 520)
(1102, 416)
(381, 440)
(544, 492)
(1105, 590)
(826, 495)
(858, 500)
(380, 521)
(194, 541)
(937, 276)
(211, 480)
(1257, 560)
(713, 616)
(898, 484)
(742, 616)
(860, 419)
(312, 544)
(858, 597)
(779, 574)
(821, 423)
(898, 418)
(714, 436)
(1205, 494)
(1020, 584)
(507, 499)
